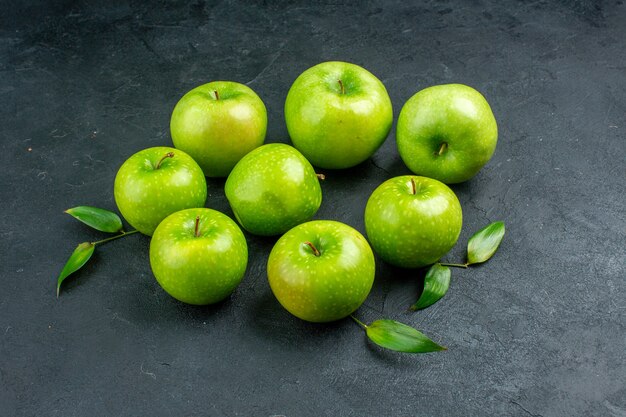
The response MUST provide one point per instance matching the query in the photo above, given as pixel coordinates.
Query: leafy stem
(122, 234)
(359, 322)
(454, 265)
(99, 219)
(480, 248)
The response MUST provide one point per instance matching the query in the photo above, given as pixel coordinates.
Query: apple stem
(313, 248)
(442, 148)
(413, 190)
(167, 155)
(217, 95)
(359, 322)
(321, 177)
(122, 234)
(197, 226)
(454, 265)
(343, 89)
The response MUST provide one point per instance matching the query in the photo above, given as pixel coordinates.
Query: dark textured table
(540, 330)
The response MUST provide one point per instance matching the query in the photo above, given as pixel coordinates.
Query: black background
(537, 331)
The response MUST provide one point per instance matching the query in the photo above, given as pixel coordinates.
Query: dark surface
(537, 331)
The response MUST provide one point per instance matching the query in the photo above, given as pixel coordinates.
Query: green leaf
(484, 243)
(99, 219)
(436, 283)
(79, 257)
(393, 335)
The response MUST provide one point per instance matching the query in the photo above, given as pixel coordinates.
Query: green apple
(198, 256)
(338, 114)
(321, 271)
(447, 132)
(272, 189)
(412, 221)
(156, 182)
(217, 124)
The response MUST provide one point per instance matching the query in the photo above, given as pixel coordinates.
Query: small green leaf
(79, 257)
(393, 335)
(436, 283)
(99, 219)
(484, 243)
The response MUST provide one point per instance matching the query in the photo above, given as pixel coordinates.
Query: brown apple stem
(321, 177)
(313, 248)
(442, 148)
(217, 95)
(167, 155)
(197, 226)
(343, 89)
(413, 190)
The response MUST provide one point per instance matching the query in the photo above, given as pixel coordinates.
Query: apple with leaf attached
(321, 270)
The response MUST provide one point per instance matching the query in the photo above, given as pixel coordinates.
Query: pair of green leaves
(480, 248)
(96, 218)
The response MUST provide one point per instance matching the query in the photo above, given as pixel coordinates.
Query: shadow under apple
(394, 290)
(269, 320)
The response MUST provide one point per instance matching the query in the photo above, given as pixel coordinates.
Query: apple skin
(412, 230)
(146, 195)
(332, 129)
(273, 189)
(321, 288)
(201, 269)
(452, 113)
(217, 131)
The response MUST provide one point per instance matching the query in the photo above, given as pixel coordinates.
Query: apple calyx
(313, 248)
(442, 148)
(343, 88)
(167, 155)
(321, 177)
(217, 95)
(197, 228)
